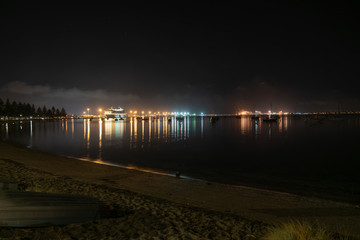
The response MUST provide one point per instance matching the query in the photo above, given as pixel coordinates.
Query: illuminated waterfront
(231, 150)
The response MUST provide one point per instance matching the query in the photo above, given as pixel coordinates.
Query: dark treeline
(18, 109)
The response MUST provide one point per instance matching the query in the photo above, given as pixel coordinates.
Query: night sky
(196, 57)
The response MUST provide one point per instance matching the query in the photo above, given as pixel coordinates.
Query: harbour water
(289, 154)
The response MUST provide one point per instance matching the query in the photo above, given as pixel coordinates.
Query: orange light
(244, 112)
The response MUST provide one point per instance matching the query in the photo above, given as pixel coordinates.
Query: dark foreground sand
(149, 206)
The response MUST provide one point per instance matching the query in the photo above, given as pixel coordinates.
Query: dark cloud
(74, 99)
(200, 57)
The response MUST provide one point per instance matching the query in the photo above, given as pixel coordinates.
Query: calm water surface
(285, 154)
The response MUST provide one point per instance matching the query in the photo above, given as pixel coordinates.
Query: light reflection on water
(228, 150)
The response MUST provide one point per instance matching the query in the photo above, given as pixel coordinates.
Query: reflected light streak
(158, 128)
(165, 124)
(7, 130)
(280, 125)
(185, 127)
(135, 132)
(84, 129)
(256, 129)
(88, 134)
(131, 132)
(72, 129)
(173, 127)
(202, 126)
(99, 161)
(31, 134)
(117, 129)
(142, 131)
(181, 130)
(108, 128)
(31, 129)
(188, 127)
(100, 137)
(122, 129)
(286, 122)
(150, 122)
(244, 125)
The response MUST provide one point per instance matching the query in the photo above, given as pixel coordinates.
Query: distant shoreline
(75, 116)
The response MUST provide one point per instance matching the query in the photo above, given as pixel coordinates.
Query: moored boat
(270, 119)
(115, 113)
(29, 209)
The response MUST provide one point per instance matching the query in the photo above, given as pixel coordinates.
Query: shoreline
(270, 187)
(257, 207)
(277, 185)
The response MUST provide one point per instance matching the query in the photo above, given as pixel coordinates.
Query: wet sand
(150, 206)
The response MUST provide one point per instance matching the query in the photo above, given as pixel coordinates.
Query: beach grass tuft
(297, 230)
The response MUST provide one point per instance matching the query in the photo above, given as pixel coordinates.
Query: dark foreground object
(32, 209)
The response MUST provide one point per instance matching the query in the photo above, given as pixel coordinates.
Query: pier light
(131, 111)
(135, 112)
(158, 112)
(84, 112)
(100, 110)
(142, 112)
(149, 112)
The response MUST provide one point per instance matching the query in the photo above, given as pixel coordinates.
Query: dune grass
(297, 230)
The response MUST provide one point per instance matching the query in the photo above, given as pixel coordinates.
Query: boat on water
(214, 119)
(35, 209)
(116, 113)
(270, 119)
(313, 121)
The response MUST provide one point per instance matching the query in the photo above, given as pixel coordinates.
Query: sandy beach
(151, 206)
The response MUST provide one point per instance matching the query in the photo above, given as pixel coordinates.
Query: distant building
(115, 113)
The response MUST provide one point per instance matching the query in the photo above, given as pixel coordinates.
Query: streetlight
(100, 110)
(88, 109)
